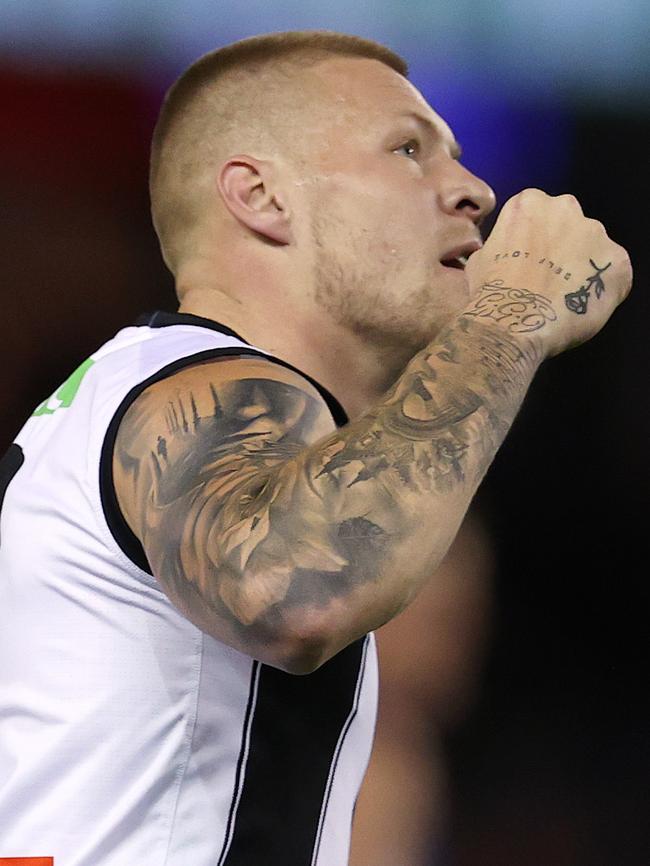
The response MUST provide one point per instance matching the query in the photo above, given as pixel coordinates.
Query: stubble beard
(366, 300)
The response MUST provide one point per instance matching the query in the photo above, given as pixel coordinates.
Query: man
(188, 667)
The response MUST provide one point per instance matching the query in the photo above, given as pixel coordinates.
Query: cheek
(389, 222)
(404, 215)
(404, 236)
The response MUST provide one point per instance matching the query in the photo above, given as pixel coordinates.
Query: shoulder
(211, 386)
(224, 409)
(194, 454)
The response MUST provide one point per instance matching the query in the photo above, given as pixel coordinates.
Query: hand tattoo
(547, 263)
(519, 310)
(577, 301)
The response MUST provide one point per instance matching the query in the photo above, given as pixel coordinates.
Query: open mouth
(458, 263)
(457, 258)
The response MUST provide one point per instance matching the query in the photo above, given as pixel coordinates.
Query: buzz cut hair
(215, 106)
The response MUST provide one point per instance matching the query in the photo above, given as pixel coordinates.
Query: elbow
(302, 648)
(302, 663)
(294, 638)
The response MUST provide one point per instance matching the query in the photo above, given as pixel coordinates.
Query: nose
(464, 194)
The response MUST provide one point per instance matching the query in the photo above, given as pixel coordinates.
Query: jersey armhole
(125, 538)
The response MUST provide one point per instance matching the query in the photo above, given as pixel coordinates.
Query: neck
(356, 371)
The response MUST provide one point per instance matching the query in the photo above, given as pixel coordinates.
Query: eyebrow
(431, 128)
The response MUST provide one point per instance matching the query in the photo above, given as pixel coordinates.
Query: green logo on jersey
(62, 398)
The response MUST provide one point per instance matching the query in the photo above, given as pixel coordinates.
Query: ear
(248, 189)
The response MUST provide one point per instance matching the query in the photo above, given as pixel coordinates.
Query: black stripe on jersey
(243, 756)
(161, 318)
(126, 539)
(337, 753)
(11, 462)
(296, 737)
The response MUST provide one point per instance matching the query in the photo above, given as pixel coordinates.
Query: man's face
(388, 203)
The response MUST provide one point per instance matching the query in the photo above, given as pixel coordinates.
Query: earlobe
(247, 188)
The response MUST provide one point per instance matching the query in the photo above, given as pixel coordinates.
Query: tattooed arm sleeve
(286, 538)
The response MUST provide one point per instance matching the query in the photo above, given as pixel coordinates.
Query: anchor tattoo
(577, 301)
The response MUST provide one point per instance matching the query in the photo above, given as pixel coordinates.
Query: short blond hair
(216, 104)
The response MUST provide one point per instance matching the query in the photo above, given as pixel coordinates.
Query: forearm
(288, 541)
(340, 537)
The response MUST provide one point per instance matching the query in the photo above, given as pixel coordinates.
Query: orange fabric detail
(26, 861)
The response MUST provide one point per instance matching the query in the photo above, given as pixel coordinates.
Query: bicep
(193, 466)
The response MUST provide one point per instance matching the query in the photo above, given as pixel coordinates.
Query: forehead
(366, 91)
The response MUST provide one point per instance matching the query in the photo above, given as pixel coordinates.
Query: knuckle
(621, 252)
(569, 200)
(528, 193)
(626, 264)
(534, 193)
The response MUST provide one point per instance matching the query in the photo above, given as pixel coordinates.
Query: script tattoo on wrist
(548, 263)
(577, 301)
(518, 310)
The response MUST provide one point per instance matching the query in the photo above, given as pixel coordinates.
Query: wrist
(527, 318)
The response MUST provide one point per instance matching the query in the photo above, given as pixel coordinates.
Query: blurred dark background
(551, 765)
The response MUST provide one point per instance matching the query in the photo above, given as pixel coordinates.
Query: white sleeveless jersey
(128, 737)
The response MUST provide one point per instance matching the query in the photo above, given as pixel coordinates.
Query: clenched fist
(548, 271)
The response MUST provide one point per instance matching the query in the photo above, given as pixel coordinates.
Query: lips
(457, 256)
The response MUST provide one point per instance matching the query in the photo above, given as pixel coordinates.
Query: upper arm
(193, 459)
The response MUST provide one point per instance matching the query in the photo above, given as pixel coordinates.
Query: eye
(412, 145)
